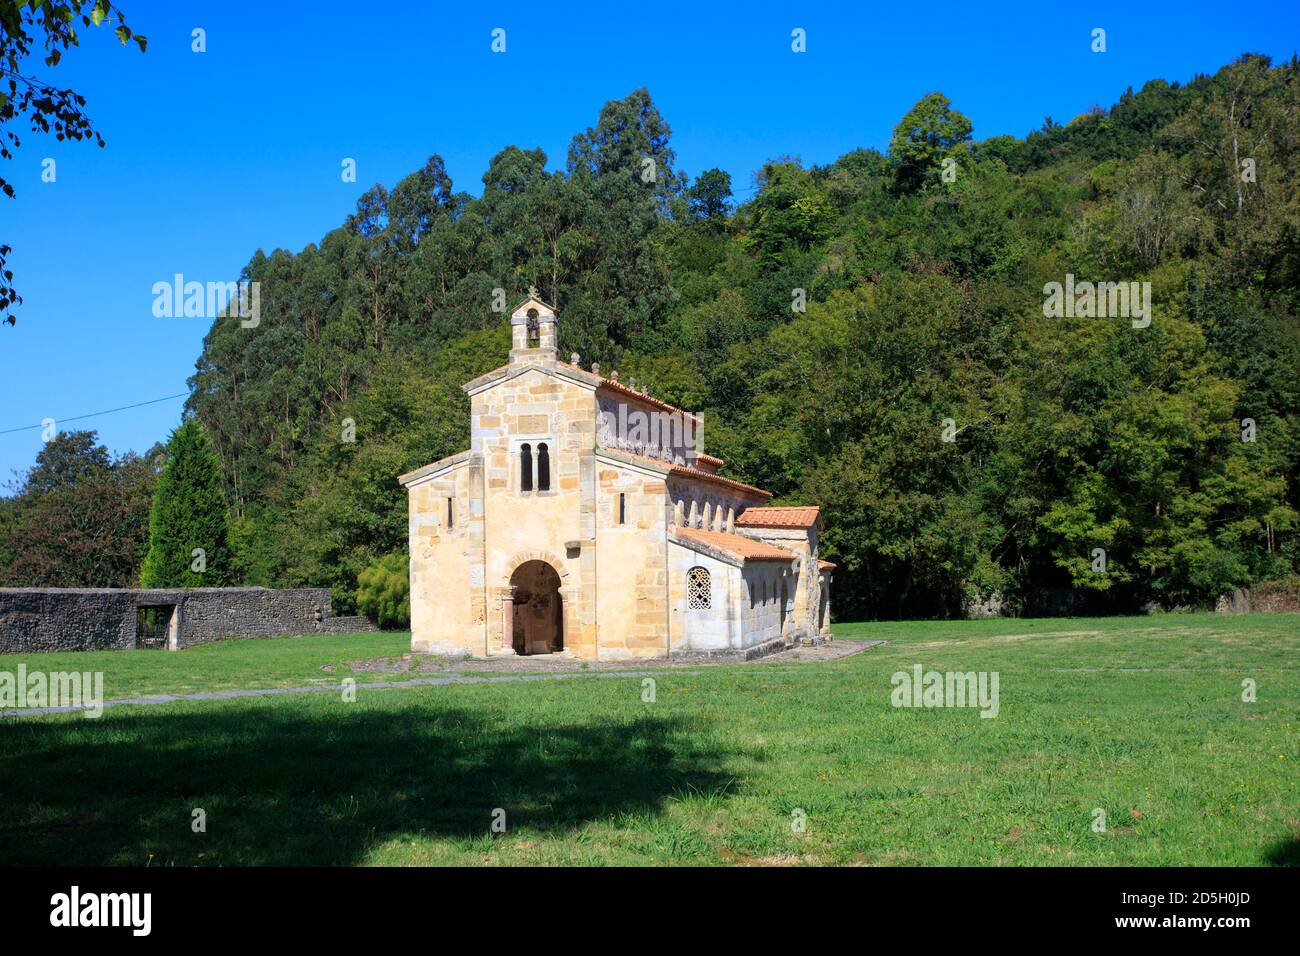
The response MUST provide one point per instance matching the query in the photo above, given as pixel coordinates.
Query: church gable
(531, 427)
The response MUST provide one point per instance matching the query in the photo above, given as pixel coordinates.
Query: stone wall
(539, 406)
(711, 629)
(1282, 596)
(804, 587)
(446, 547)
(763, 618)
(81, 619)
(631, 572)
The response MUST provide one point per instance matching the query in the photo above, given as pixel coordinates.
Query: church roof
(779, 517)
(682, 471)
(496, 371)
(712, 461)
(432, 467)
(533, 301)
(620, 388)
(590, 378)
(736, 547)
(689, 472)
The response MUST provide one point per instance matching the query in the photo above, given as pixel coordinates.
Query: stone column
(825, 627)
(736, 594)
(546, 333)
(507, 596)
(571, 617)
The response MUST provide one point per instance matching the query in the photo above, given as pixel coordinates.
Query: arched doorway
(538, 612)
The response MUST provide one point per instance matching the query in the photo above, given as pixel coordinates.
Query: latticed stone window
(699, 593)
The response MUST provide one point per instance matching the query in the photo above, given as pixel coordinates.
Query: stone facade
(569, 527)
(84, 619)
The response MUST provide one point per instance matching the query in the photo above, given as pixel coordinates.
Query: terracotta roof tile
(778, 517)
(601, 382)
(826, 565)
(689, 472)
(615, 386)
(735, 545)
(710, 463)
(686, 471)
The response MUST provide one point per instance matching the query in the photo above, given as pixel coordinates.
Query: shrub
(384, 591)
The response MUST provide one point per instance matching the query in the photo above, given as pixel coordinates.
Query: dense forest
(870, 335)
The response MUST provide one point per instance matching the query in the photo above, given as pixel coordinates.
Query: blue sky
(212, 155)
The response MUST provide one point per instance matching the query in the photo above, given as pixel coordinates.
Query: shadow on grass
(290, 786)
(1285, 852)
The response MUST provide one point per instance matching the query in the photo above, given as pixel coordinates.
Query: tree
(623, 181)
(959, 444)
(52, 26)
(790, 213)
(80, 518)
(929, 133)
(419, 200)
(64, 460)
(709, 196)
(187, 526)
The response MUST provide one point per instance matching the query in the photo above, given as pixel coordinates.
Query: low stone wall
(81, 619)
(1268, 597)
(351, 624)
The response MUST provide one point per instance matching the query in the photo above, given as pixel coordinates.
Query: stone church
(586, 519)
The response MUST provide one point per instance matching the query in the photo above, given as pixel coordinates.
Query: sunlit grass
(226, 665)
(1142, 718)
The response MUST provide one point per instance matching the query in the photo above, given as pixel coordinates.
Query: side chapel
(563, 529)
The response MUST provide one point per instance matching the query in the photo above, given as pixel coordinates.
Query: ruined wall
(213, 614)
(80, 619)
(58, 619)
(1268, 597)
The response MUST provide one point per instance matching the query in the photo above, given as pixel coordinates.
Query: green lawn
(228, 665)
(1140, 717)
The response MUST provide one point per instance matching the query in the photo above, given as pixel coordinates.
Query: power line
(107, 411)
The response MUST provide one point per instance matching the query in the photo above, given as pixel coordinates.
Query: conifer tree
(187, 526)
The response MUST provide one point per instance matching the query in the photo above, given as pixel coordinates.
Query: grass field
(229, 665)
(1142, 718)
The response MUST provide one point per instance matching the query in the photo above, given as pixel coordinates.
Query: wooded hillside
(960, 443)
